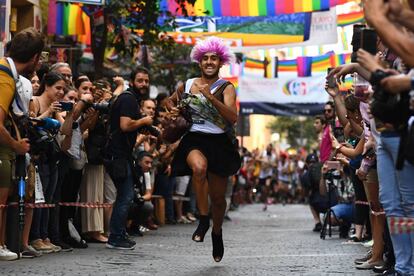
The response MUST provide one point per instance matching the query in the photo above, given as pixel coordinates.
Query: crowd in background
(360, 176)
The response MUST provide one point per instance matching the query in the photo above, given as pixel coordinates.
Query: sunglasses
(327, 110)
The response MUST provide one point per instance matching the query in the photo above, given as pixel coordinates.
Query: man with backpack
(24, 52)
(125, 121)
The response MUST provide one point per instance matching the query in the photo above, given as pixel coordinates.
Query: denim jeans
(164, 186)
(124, 197)
(49, 176)
(397, 198)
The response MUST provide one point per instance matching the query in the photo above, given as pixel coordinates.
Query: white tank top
(206, 126)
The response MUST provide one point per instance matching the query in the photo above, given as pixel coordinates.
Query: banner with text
(286, 95)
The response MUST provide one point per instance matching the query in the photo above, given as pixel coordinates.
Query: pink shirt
(325, 147)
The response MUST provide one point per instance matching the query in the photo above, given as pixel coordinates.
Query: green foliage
(172, 64)
(294, 128)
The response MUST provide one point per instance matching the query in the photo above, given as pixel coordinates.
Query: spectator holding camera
(124, 124)
(141, 208)
(92, 186)
(23, 58)
(46, 105)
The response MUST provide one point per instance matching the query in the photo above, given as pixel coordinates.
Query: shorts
(6, 173)
(344, 211)
(181, 184)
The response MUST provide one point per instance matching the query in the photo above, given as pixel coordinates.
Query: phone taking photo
(66, 106)
(331, 80)
(369, 40)
(339, 134)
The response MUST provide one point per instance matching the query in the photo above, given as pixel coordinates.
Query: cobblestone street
(276, 242)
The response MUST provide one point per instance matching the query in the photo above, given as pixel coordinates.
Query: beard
(143, 92)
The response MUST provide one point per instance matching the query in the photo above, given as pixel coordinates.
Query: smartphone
(331, 80)
(333, 165)
(66, 106)
(356, 40)
(369, 40)
(338, 132)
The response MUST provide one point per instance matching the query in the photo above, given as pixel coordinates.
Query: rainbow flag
(304, 66)
(253, 63)
(340, 59)
(287, 65)
(350, 18)
(321, 63)
(248, 7)
(68, 19)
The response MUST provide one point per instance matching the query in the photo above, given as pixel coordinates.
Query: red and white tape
(66, 204)
(401, 225)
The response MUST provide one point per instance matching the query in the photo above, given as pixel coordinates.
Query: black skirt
(222, 156)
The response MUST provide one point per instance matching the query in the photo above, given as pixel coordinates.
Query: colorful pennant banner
(304, 66)
(350, 18)
(249, 7)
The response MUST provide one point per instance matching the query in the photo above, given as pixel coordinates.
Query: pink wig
(212, 45)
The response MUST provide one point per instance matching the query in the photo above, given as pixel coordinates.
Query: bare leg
(178, 209)
(217, 191)
(107, 219)
(27, 224)
(377, 222)
(198, 164)
(315, 215)
(4, 193)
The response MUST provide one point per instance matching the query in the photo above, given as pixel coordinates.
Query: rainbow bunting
(321, 63)
(68, 19)
(253, 63)
(350, 18)
(304, 66)
(340, 59)
(248, 7)
(287, 65)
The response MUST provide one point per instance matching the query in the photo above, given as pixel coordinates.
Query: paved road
(276, 242)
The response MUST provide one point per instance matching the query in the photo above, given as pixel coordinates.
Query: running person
(207, 152)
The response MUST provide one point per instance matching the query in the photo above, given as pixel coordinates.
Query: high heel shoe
(218, 246)
(202, 229)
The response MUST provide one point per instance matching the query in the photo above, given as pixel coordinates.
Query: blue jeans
(124, 197)
(164, 186)
(48, 176)
(397, 198)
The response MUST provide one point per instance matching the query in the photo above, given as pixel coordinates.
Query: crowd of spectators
(68, 126)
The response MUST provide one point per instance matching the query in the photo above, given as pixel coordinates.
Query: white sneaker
(368, 243)
(6, 254)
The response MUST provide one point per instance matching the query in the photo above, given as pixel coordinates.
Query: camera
(332, 174)
(103, 107)
(149, 129)
(41, 133)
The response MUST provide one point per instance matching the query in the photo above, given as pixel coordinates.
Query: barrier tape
(361, 202)
(66, 204)
(401, 225)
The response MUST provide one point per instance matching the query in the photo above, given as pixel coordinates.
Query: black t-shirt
(121, 143)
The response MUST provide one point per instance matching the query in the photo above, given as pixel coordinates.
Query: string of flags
(304, 65)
